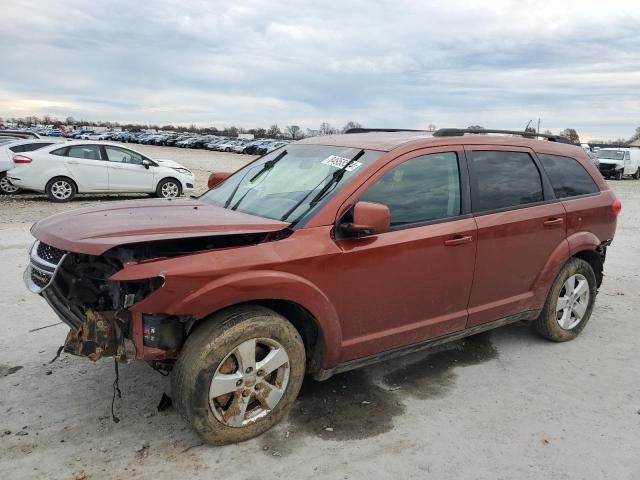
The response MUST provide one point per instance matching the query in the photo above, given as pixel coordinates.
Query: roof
(387, 141)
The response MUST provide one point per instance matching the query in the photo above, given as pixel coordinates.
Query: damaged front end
(80, 290)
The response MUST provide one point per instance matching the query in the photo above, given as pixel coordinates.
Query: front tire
(619, 175)
(61, 189)
(569, 302)
(238, 374)
(169, 188)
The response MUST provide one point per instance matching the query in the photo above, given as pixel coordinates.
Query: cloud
(401, 64)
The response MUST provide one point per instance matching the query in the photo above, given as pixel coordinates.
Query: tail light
(21, 159)
(616, 206)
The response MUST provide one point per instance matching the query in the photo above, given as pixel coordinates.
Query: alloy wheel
(573, 301)
(170, 190)
(61, 189)
(250, 382)
(6, 186)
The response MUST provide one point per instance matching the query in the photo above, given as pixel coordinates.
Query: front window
(610, 154)
(122, 155)
(291, 182)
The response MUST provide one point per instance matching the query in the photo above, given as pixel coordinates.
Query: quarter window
(88, 152)
(422, 189)
(568, 177)
(504, 179)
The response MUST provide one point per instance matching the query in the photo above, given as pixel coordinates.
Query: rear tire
(569, 305)
(61, 189)
(254, 398)
(6, 187)
(636, 175)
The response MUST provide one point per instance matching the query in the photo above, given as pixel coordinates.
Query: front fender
(176, 298)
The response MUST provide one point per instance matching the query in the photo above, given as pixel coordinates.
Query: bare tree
(571, 135)
(349, 125)
(431, 127)
(326, 129)
(274, 131)
(294, 131)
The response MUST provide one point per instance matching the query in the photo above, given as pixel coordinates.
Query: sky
(401, 64)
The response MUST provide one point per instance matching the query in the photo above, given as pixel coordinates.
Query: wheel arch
(62, 175)
(302, 319)
(294, 297)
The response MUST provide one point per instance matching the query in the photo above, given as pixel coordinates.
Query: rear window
(504, 179)
(568, 177)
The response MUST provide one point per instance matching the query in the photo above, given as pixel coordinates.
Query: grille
(50, 254)
(606, 167)
(41, 279)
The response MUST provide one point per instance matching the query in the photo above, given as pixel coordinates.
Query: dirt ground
(503, 405)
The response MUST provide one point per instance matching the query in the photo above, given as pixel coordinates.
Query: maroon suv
(326, 255)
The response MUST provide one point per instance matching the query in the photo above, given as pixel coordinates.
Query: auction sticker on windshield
(340, 162)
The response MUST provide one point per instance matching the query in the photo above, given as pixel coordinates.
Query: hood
(95, 230)
(168, 163)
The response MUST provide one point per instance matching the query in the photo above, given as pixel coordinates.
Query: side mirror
(217, 178)
(146, 163)
(368, 218)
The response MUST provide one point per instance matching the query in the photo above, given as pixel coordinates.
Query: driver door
(127, 172)
(411, 283)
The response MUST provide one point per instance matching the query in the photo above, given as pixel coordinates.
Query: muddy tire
(61, 189)
(569, 302)
(238, 374)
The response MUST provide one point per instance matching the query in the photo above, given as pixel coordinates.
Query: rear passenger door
(520, 224)
(87, 167)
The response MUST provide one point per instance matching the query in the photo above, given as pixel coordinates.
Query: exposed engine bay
(80, 290)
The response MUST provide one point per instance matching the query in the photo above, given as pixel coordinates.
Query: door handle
(458, 240)
(72, 162)
(552, 222)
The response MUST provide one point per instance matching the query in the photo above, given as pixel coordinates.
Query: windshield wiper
(335, 179)
(268, 165)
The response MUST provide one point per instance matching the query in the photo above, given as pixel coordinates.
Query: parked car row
(189, 140)
(63, 169)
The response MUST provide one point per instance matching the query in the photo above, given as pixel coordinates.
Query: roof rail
(368, 130)
(459, 132)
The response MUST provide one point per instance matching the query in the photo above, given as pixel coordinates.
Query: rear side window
(422, 189)
(17, 148)
(504, 179)
(88, 152)
(568, 177)
(60, 151)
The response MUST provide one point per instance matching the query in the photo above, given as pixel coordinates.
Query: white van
(619, 162)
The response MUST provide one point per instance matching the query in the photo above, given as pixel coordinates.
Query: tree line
(294, 132)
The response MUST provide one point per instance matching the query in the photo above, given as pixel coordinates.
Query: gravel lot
(501, 405)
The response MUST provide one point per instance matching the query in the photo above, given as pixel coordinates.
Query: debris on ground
(165, 402)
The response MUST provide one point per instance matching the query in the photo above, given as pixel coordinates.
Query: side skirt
(325, 374)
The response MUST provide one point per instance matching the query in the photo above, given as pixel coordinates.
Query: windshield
(284, 184)
(611, 154)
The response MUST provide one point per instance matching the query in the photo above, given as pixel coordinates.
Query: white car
(61, 171)
(9, 147)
